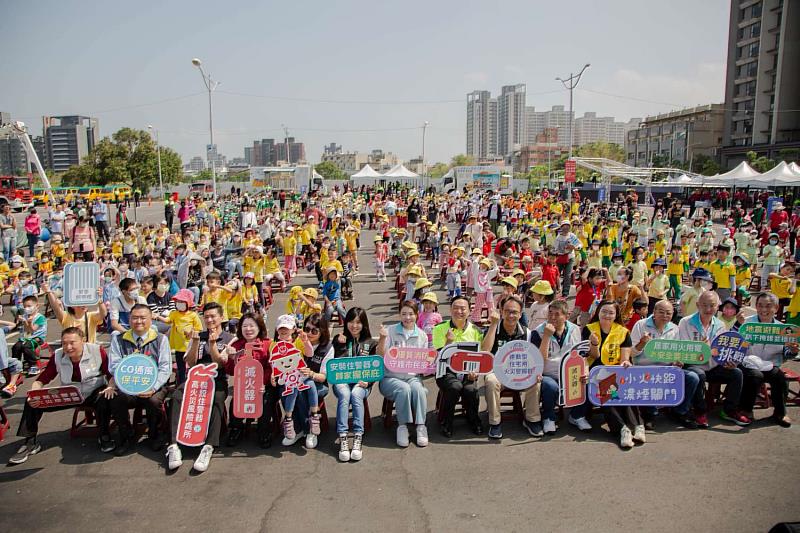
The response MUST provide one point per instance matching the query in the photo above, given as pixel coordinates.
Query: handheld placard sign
(729, 347)
(80, 284)
(677, 351)
(248, 383)
(198, 399)
(655, 386)
(518, 365)
(136, 374)
(63, 396)
(408, 360)
(367, 368)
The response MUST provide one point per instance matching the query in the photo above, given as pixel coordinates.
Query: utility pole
(424, 127)
(286, 143)
(210, 86)
(570, 83)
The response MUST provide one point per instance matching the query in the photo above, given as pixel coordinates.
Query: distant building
(262, 153)
(349, 162)
(196, 164)
(332, 148)
(511, 125)
(677, 136)
(381, 161)
(297, 151)
(69, 139)
(590, 129)
(762, 85)
(13, 159)
(545, 150)
(481, 124)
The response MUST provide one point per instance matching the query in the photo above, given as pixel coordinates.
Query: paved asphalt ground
(722, 479)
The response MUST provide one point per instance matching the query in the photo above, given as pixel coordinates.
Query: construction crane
(20, 131)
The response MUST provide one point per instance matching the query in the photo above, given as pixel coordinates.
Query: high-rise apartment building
(590, 128)
(762, 86)
(69, 139)
(511, 120)
(13, 159)
(297, 151)
(481, 124)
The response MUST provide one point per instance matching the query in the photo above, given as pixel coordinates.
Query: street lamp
(570, 83)
(424, 127)
(158, 151)
(210, 86)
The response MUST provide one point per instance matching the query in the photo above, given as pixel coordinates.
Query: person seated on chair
(143, 339)
(77, 363)
(458, 386)
(33, 331)
(763, 364)
(207, 347)
(500, 332)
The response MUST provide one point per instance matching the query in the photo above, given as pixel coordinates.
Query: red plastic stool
(792, 397)
(387, 412)
(4, 423)
(516, 412)
(85, 427)
(267, 292)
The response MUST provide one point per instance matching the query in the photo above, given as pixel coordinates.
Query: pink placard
(198, 398)
(408, 360)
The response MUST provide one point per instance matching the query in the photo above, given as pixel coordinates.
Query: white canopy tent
(366, 172)
(741, 176)
(795, 168)
(781, 175)
(400, 171)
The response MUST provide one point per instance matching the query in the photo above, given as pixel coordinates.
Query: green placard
(762, 333)
(367, 368)
(675, 351)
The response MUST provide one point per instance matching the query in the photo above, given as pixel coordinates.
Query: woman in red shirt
(590, 293)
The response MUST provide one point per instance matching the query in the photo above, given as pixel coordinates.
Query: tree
(705, 165)
(329, 171)
(438, 170)
(462, 160)
(611, 151)
(129, 157)
(760, 164)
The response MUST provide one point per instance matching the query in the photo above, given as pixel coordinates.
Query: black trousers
(119, 405)
(454, 389)
(617, 417)
(102, 230)
(29, 423)
(215, 423)
(264, 425)
(753, 379)
(25, 351)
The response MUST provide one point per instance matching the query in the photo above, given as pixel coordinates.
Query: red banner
(198, 398)
(573, 389)
(248, 382)
(55, 397)
(569, 171)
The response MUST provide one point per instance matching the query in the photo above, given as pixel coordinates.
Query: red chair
(42, 349)
(86, 426)
(275, 283)
(267, 291)
(792, 397)
(4, 423)
(387, 412)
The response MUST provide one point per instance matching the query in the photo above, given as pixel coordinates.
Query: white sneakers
(201, 463)
(625, 437)
(422, 435)
(355, 453)
(550, 426)
(581, 423)
(174, 456)
(638, 434)
(344, 450)
(402, 436)
(311, 441)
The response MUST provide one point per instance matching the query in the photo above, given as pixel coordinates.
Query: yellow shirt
(249, 293)
(116, 248)
(256, 266)
(181, 321)
(271, 266)
(92, 318)
(289, 246)
(305, 236)
(675, 268)
(661, 247)
(743, 277)
(220, 296)
(780, 287)
(58, 250)
(659, 286)
(350, 237)
(722, 273)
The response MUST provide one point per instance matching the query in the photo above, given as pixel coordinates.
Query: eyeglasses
(312, 330)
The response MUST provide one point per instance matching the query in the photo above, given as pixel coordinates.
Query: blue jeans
(549, 398)
(289, 400)
(340, 310)
(348, 394)
(409, 395)
(694, 395)
(302, 408)
(9, 246)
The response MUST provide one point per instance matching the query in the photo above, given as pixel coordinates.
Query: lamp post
(570, 83)
(158, 151)
(210, 86)
(424, 127)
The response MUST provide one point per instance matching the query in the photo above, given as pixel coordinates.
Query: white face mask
(773, 241)
(134, 293)
(108, 279)
(24, 282)
(620, 279)
(163, 287)
(29, 310)
(181, 306)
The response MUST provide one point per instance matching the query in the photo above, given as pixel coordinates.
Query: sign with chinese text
(518, 365)
(136, 374)
(287, 361)
(63, 396)
(654, 386)
(367, 368)
(198, 399)
(408, 360)
(248, 382)
(763, 333)
(676, 351)
(80, 284)
(573, 389)
(729, 347)
(570, 166)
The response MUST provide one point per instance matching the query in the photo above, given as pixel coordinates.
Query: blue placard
(655, 386)
(367, 368)
(729, 347)
(80, 284)
(136, 374)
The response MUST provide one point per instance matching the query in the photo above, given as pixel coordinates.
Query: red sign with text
(198, 398)
(248, 382)
(569, 171)
(63, 396)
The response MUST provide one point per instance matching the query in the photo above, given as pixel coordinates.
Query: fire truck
(16, 191)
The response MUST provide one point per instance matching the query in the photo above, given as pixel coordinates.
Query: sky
(362, 74)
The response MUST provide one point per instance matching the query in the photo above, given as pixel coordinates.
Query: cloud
(476, 77)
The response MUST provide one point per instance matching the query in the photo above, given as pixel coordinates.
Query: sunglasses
(311, 329)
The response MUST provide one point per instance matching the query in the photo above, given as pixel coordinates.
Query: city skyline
(322, 92)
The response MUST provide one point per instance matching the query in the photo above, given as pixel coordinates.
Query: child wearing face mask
(19, 290)
(184, 320)
(773, 257)
(32, 335)
(701, 282)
